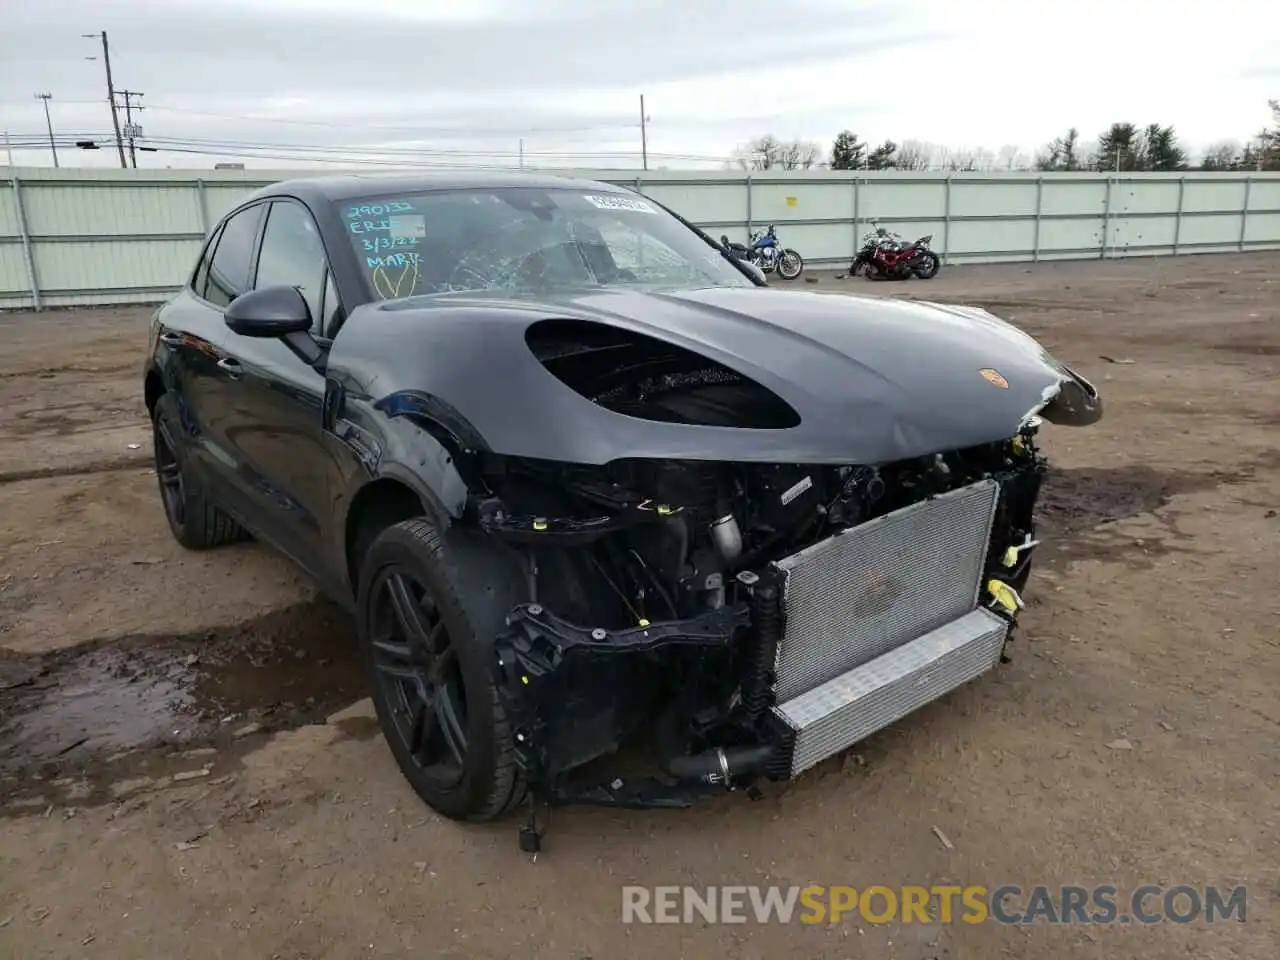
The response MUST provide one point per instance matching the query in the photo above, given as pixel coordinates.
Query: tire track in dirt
(113, 465)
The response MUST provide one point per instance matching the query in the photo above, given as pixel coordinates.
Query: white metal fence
(80, 237)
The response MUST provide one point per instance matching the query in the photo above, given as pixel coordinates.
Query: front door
(273, 425)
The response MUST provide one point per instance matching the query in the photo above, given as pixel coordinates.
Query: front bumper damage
(814, 653)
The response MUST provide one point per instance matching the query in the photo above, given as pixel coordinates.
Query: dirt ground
(188, 766)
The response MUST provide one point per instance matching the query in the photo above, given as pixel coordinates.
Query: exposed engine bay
(663, 592)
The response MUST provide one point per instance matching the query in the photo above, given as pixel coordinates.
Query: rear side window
(229, 269)
(201, 276)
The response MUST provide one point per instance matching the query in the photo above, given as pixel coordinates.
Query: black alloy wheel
(194, 521)
(169, 474)
(417, 667)
(429, 605)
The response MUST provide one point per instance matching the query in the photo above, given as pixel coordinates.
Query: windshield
(524, 241)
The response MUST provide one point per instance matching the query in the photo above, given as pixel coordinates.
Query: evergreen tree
(1062, 153)
(848, 152)
(883, 157)
(1118, 149)
(1158, 149)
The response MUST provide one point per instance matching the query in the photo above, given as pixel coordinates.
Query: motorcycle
(886, 256)
(766, 253)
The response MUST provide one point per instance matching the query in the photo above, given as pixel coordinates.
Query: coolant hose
(720, 765)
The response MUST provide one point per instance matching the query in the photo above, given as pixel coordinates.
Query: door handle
(231, 366)
(172, 339)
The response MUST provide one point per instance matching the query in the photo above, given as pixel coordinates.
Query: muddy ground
(188, 766)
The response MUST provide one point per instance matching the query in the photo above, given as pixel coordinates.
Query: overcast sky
(468, 79)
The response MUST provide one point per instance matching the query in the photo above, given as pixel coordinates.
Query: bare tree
(957, 160)
(1224, 155)
(1268, 141)
(914, 155)
(770, 153)
(1009, 157)
(759, 154)
(800, 155)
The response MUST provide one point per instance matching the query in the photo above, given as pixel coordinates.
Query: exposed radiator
(870, 589)
(850, 707)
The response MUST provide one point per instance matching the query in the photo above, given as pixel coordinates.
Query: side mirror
(276, 313)
(270, 312)
(756, 273)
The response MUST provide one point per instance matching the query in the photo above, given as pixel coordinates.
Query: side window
(201, 275)
(293, 256)
(229, 269)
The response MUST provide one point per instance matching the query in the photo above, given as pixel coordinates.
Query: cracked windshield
(526, 242)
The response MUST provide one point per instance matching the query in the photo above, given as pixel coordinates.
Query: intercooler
(881, 619)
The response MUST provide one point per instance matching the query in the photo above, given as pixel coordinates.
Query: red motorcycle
(886, 256)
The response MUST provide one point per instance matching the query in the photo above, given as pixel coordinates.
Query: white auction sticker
(411, 226)
(617, 202)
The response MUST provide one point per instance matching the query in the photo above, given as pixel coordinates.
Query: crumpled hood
(872, 379)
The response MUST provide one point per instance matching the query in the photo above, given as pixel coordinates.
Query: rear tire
(928, 267)
(194, 522)
(429, 606)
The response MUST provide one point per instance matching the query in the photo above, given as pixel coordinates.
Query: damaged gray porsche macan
(584, 481)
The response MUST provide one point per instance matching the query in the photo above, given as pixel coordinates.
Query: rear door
(221, 280)
(274, 428)
(190, 333)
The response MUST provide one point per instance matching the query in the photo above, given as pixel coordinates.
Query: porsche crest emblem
(993, 377)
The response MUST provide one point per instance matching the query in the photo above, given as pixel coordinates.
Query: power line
(394, 154)
(401, 127)
(476, 132)
(402, 148)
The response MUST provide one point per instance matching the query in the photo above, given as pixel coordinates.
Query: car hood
(872, 379)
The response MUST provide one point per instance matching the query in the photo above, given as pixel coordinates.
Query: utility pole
(522, 153)
(53, 148)
(132, 131)
(111, 91)
(644, 135)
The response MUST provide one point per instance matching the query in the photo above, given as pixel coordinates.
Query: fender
(412, 448)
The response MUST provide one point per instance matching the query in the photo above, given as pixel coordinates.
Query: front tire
(790, 264)
(428, 608)
(194, 522)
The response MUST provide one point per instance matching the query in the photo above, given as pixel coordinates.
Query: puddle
(1076, 506)
(1078, 499)
(70, 709)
